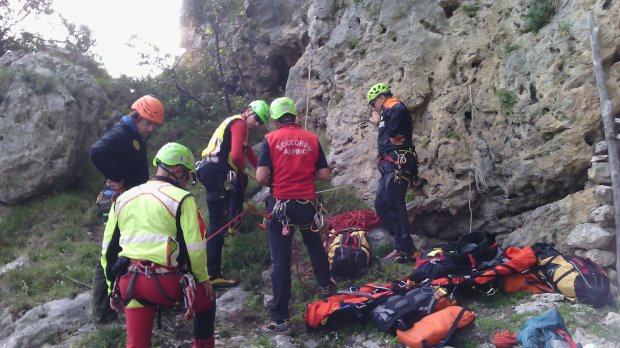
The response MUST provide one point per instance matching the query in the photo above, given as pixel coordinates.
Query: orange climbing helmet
(149, 108)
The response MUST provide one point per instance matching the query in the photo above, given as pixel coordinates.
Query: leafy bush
(507, 100)
(452, 134)
(539, 15)
(40, 83)
(471, 10)
(510, 47)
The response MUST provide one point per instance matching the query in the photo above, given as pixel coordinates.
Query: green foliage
(471, 10)
(452, 134)
(59, 243)
(354, 43)
(426, 143)
(507, 100)
(246, 254)
(106, 337)
(6, 77)
(409, 197)
(564, 29)
(39, 82)
(510, 47)
(78, 39)
(539, 15)
(338, 200)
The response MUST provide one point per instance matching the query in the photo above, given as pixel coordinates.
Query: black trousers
(222, 205)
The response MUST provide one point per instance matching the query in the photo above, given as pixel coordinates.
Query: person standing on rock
(291, 160)
(398, 165)
(120, 155)
(153, 251)
(222, 173)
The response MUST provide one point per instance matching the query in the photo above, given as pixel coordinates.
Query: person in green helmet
(291, 160)
(153, 242)
(398, 165)
(222, 173)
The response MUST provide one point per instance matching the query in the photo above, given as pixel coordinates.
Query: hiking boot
(284, 328)
(398, 256)
(328, 290)
(221, 282)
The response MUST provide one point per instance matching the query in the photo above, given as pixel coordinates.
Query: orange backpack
(528, 282)
(518, 261)
(352, 304)
(435, 329)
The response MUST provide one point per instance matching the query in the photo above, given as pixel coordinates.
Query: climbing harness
(231, 180)
(279, 214)
(401, 172)
(188, 284)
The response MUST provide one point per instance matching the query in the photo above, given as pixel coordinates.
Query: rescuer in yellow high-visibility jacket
(154, 240)
(222, 172)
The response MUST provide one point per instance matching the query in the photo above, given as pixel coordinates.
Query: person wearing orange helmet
(121, 156)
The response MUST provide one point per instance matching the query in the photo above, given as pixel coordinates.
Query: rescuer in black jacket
(120, 155)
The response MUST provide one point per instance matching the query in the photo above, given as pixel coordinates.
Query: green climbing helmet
(281, 106)
(173, 154)
(261, 109)
(376, 91)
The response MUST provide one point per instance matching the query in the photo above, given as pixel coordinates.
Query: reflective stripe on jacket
(144, 225)
(219, 146)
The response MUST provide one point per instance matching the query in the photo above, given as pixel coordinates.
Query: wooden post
(608, 125)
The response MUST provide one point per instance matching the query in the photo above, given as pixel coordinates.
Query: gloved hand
(116, 305)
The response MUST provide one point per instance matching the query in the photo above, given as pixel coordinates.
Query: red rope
(249, 208)
(366, 220)
(299, 272)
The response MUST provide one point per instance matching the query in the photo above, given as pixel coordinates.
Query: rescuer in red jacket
(291, 160)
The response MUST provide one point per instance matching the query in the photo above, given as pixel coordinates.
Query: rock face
(505, 118)
(49, 111)
(39, 324)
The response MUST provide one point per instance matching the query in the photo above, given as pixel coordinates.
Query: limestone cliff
(49, 108)
(453, 63)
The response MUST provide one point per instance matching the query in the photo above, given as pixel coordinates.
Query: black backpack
(576, 278)
(348, 253)
(474, 251)
(400, 311)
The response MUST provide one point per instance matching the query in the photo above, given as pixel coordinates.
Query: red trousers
(140, 319)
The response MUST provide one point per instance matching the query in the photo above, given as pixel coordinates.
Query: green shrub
(471, 10)
(40, 83)
(539, 15)
(426, 143)
(507, 100)
(564, 29)
(509, 48)
(110, 336)
(338, 200)
(452, 134)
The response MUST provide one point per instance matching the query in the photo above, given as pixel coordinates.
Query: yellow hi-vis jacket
(213, 150)
(155, 221)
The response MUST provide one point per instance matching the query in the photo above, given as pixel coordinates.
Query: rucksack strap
(452, 329)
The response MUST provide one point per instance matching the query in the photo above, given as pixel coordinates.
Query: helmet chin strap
(174, 174)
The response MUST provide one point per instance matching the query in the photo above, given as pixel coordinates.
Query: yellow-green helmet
(261, 109)
(281, 106)
(173, 154)
(377, 90)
